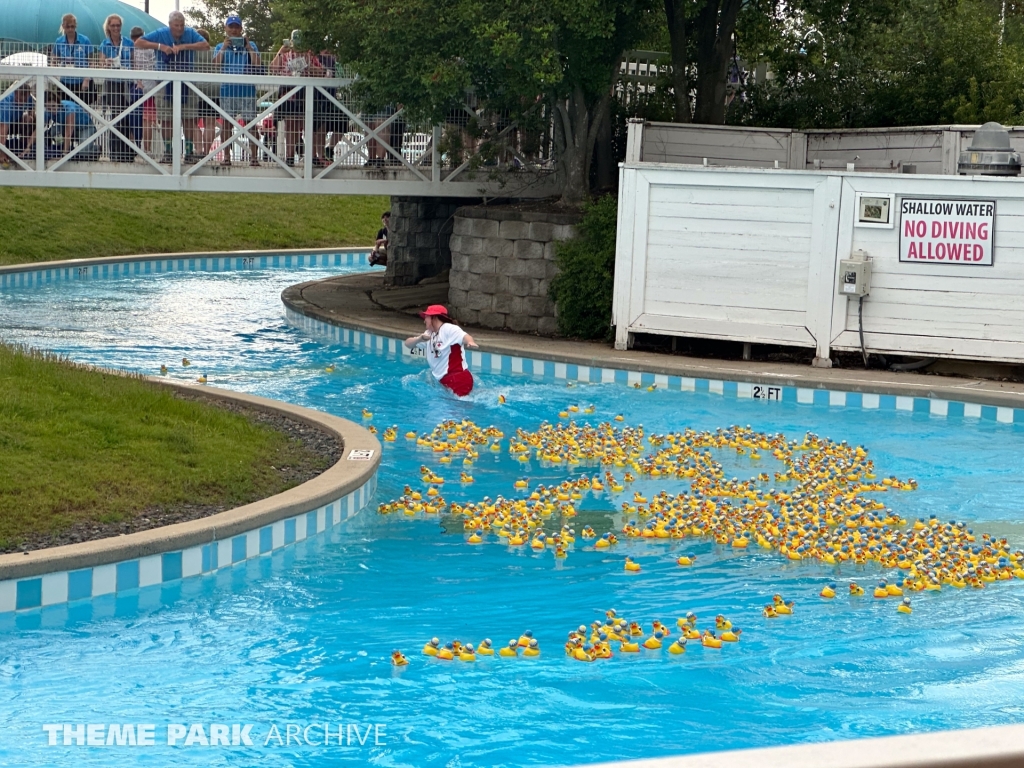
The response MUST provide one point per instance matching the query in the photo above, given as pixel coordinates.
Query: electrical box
(854, 277)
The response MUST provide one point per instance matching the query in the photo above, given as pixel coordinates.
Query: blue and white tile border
(36, 275)
(128, 576)
(549, 369)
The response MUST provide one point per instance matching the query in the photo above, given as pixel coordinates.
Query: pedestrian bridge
(167, 131)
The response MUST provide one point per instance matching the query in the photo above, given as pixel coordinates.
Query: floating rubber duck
(501, 399)
(629, 646)
(201, 379)
(632, 566)
(525, 638)
(678, 646)
(769, 612)
(828, 591)
(708, 639)
(163, 370)
(510, 650)
(485, 649)
(731, 635)
(686, 560)
(367, 414)
(185, 362)
(447, 653)
(904, 607)
(722, 623)
(398, 659)
(476, 537)
(466, 478)
(782, 608)
(533, 649)
(523, 482)
(882, 590)
(689, 620)
(652, 387)
(654, 641)
(467, 653)
(620, 417)
(856, 590)
(432, 647)
(330, 368)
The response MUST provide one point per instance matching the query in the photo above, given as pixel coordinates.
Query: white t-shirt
(444, 350)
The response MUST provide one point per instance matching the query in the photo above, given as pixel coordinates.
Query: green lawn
(47, 224)
(78, 445)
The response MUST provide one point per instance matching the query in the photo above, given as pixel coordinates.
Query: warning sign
(947, 231)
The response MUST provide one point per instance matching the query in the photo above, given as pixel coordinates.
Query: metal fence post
(435, 156)
(40, 123)
(176, 128)
(307, 135)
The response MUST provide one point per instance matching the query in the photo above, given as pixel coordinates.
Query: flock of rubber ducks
(458, 651)
(185, 363)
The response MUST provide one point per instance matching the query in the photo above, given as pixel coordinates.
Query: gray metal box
(854, 277)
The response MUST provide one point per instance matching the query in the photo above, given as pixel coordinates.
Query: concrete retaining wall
(418, 242)
(502, 264)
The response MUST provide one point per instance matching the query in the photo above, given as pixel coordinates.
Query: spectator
(238, 55)
(13, 109)
(176, 45)
(379, 255)
(327, 118)
(293, 60)
(206, 111)
(146, 60)
(116, 53)
(74, 123)
(73, 50)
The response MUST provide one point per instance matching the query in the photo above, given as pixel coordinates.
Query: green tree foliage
(871, 63)
(266, 23)
(527, 60)
(582, 290)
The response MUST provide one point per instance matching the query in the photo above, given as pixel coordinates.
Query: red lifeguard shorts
(460, 382)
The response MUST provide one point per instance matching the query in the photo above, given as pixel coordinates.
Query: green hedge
(582, 291)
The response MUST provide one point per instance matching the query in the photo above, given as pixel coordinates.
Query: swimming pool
(304, 636)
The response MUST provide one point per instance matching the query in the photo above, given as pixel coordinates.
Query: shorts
(165, 106)
(460, 382)
(239, 106)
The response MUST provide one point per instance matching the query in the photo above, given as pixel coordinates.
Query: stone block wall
(502, 263)
(418, 242)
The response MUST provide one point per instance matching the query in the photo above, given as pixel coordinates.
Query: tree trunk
(715, 26)
(604, 176)
(676, 18)
(578, 133)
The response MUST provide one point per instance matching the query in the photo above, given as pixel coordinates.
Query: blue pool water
(304, 636)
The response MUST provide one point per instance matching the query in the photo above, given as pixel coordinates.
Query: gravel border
(323, 446)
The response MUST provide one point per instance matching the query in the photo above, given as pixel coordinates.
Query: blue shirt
(72, 55)
(236, 62)
(184, 61)
(110, 51)
(12, 110)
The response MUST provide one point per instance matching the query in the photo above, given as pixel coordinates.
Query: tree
(526, 60)
(265, 22)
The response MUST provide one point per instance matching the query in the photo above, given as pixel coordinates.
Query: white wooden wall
(752, 255)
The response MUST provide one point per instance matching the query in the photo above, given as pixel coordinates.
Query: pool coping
(344, 302)
(991, 747)
(140, 559)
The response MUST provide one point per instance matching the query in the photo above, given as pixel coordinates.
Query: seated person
(13, 109)
(72, 123)
(379, 255)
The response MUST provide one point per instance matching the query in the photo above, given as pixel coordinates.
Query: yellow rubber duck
(201, 379)
(632, 566)
(485, 649)
(686, 560)
(708, 640)
(163, 370)
(523, 482)
(525, 638)
(629, 646)
(882, 590)
(367, 414)
(447, 653)
(619, 417)
(511, 650)
(475, 537)
(904, 607)
(467, 653)
(722, 623)
(330, 368)
(432, 647)
(856, 590)
(678, 646)
(398, 659)
(654, 641)
(828, 591)
(533, 649)
(501, 399)
(186, 362)
(731, 635)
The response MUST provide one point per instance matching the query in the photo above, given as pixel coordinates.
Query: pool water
(304, 636)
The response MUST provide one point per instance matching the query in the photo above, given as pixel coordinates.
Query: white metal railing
(176, 126)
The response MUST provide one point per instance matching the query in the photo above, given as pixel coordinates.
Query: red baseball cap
(435, 309)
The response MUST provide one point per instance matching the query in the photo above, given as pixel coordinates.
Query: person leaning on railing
(73, 50)
(116, 53)
(238, 55)
(294, 60)
(175, 45)
(146, 60)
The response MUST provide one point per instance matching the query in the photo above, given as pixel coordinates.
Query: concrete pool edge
(343, 302)
(991, 747)
(116, 565)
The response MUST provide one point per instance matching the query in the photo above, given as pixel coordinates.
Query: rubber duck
(510, 650)
(654, 641)
(446, 653)
(686, 560)
(501, 399)
(525, 638)
(163, 370)
(904, 607)
(635, 630)
(466, 478)
(475, 538)
(410, 435)
(619, 417)
(881, 591)
(467, 653)
(432, 647)
(652, 387)
(894, 590)
(185, 362)
(856, 590)
(330, 368)
(201, 379)
(632, 566)
(708, 640)
(828, 591)
(522, 482)
(782, 608)
(769, 612)
(485, 649)
(678, 646)
(398, 659)
(722, 623)
(629, 646)
(367, 414)
(602, 543)
(731, 635)
(533, 649)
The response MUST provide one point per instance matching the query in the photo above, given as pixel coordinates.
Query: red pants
(460, 382)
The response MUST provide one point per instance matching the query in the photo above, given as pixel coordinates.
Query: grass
(48, 224)
(77, 445)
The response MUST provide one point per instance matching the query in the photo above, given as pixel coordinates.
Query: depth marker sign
(947, 231)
